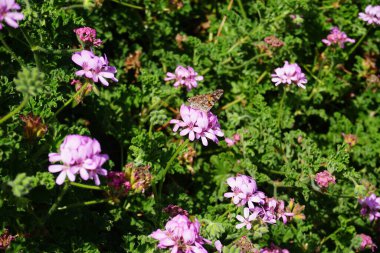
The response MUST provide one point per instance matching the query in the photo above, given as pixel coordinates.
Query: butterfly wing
(206, 101)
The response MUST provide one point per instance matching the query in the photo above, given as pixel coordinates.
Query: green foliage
(287, 134)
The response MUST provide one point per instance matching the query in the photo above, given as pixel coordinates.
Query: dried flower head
(350, 139)
(174, 210)
(133, 63)
(5, 239)
(296, 209)
(139, 177)
(245, 245)
(274, 41)
(34, 127)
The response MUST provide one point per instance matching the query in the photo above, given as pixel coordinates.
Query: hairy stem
(16, 110)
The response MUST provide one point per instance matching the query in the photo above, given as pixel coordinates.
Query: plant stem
(58, 200)
(71, 99)
(54, 51)
(85, 186)
(86, 203)
(35, 55)
(280, 110)
(18, 108)
(10, 51)
(358, 43)
(129, 5)
(174, 156)
(223, 20)
(240, 98)
(261, 77)
(242, 9)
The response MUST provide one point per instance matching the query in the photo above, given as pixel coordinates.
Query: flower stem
(54, 51)
(86, 203)
(35, 55)
(280, 110)
(128, 5)
(71, 99)
(174, 156)
(85, 186)
(240, 98)
(224, 20)
(10, 51)
(18, 108)
(243, 13)
(54, 207)
(358, 43)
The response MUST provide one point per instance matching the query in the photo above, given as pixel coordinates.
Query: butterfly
(206, 101)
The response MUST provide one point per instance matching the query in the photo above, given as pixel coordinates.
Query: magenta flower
(232, 141)
(181, 236)
(324, 178)
(273, 249)
(184, 77)
(244, 190)
(94, 67)
(370, 206)
(371, 15)
(88, 36)
(9, 14)
(79, 155)
(366, 242)
(198, 125)
(289, 73)
(246, 219)
(337, 37)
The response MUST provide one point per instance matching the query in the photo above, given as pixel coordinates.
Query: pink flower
(324, 178)
(337, 37)
(88, 36)
(184, 77)
(181, 236)
(9, 14)
(218, 246)
(94, 67)
(367, 243)
(244, 190)
(273, 249)
(370, 206)
(371, 15)
(231, 142)
(198, 125)
(246, 220)
(79, 155)
(289, 73)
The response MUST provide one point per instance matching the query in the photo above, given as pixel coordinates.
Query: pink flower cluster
(94, 67)
(181, 235)
(273, 249)
(118, 182)
(367, 243)
(87, 35)
(198, 125)
(324, 178)
(337, 37)
(79, 155)
(370, 206)
(289, 73)
(184, 77)
(371, 15)
(231, 142)
(244, 192)
(9, 14)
